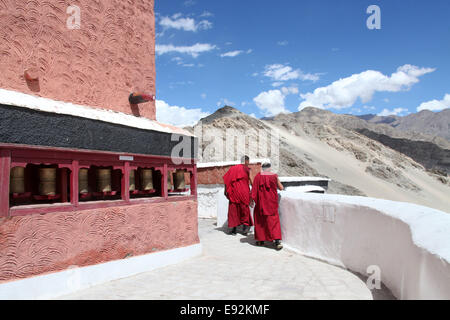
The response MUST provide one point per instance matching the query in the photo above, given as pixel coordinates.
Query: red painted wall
(214, 175)
(38, 244)
(99, 65)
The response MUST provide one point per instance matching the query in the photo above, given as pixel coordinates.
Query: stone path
(233, 267)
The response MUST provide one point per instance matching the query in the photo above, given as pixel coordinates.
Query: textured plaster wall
(38, 244)
(99, 65)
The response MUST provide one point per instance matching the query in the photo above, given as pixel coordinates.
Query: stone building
(87, 174)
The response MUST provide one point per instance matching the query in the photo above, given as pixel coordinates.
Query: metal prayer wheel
(83, 181)
(104, 180)
(147, 179)
(17, 180)
(47, 181)
(179, 180)
(169, 181)
(132, 180)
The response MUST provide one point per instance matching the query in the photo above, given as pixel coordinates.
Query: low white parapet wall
(409, 244)
(208, 200)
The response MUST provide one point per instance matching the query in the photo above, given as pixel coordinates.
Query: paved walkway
(232, 267)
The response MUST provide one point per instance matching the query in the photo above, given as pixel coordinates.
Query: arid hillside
(315, 143)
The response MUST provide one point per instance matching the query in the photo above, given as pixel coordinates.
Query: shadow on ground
(378, 294)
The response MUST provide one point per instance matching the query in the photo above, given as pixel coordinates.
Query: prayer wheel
(17, 180)
(83, 181)
(179, 180)
(169, 181)
(147, 179)
(104, 180)
(132, 180)
(47, 181)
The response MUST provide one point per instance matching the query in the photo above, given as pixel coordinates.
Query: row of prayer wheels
(47, 181)
(146, 175)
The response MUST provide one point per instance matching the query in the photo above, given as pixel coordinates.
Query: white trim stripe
(23, 100)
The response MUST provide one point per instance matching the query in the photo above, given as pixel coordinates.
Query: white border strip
(229, 163)
(19, 99)
(302, 179)
(61, 283)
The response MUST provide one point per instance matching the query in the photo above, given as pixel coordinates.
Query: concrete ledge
(410, 244)
(65, 282)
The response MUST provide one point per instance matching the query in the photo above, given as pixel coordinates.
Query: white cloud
(193, 50)
(232, 54)
(394, 112)
(186, 24)
(178, 116)
(289, 90)
(180, 62)
(225, 102)
(435, 105)
(206, 14)
(203, 95)
(277, 84)
(343, 93)
(279, 72)
(189, 3)
(271, 102)
(283, 43)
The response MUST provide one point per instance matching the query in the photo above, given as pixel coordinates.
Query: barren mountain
(432, 152)
(426, 122)
(313, 143)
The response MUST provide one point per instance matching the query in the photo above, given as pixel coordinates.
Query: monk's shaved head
(266, 167)
(246, 160)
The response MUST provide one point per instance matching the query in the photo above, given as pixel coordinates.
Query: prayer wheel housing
(147, 179)
(179, 182)
(17, 180)
(47, 181)
(83, 181)
(104, 180)
(132, 180)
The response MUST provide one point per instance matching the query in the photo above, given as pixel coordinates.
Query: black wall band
(31, 127)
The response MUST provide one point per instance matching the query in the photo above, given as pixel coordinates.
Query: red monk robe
(265, 195)
(238, 193)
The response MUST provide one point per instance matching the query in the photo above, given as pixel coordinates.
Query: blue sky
(265, 57)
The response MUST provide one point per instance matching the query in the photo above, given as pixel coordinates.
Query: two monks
(264, 194)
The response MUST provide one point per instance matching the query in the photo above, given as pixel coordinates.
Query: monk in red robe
(237, 191)
(265, 195)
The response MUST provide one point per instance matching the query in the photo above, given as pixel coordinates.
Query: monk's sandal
(278, 245)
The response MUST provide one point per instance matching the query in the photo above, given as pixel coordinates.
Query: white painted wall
(212, 203)
(208, 198)
(409, 243)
